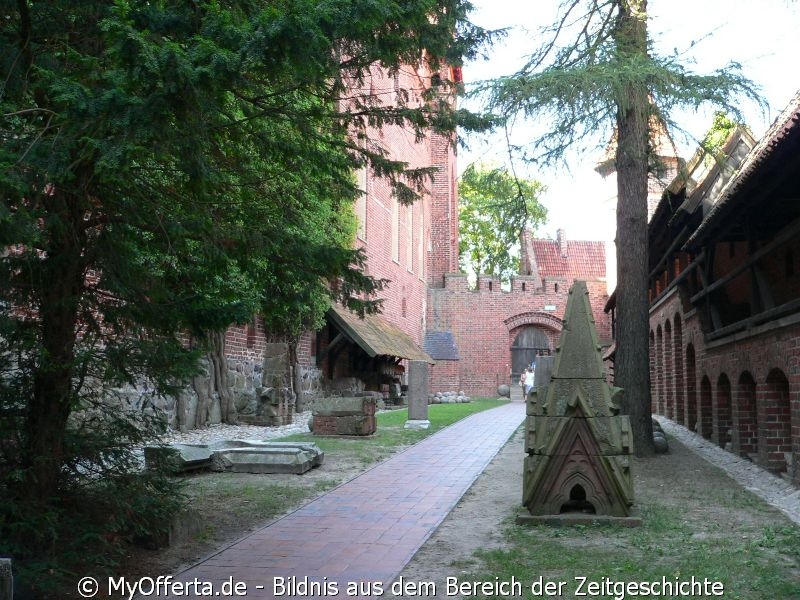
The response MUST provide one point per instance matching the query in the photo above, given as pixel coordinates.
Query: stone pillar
(6, 580)
(275, 397)
(544, 370)
(418, 395)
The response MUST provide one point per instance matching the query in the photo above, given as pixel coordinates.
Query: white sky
(761, 35)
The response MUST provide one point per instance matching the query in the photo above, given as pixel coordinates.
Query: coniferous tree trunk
(59, 287)
(631, 367)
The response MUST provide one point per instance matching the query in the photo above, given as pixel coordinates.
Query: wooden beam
(783, 237)
(679, 239)
(790, 307)
(334, 342)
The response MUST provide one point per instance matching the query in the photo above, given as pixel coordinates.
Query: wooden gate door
(530, 342)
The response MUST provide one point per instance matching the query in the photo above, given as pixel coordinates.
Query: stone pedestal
(6, 580)
(578, 445)
(417, 395)
(344, 416)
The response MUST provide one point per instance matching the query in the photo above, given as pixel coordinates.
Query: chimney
(561, 237)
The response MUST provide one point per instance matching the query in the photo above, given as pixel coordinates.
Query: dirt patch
(685, 488)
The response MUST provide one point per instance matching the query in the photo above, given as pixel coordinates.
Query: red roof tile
(584, 260)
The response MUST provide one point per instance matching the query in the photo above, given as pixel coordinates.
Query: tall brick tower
(443, 249)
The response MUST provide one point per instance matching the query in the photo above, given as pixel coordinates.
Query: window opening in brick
(555, 288)
(395, 231)
(410, 239)
(577, 502)
(251, 334)
(523, 286)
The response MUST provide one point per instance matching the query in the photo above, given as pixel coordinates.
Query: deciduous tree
(494, 208)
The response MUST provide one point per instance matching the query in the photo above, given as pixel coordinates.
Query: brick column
(668, 374)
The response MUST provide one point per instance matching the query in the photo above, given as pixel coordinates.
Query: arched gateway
(531, 335)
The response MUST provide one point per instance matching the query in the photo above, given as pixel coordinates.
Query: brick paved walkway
(367, 529)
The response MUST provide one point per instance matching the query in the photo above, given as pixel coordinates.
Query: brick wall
(398, 239)
(484, 323)
(742, 392)
(245, 342)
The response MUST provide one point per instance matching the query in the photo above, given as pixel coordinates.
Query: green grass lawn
(759, 567)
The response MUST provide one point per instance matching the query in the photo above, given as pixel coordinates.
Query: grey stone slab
(343, 407)
(263, 459)
(276, 457)
(418, 377)
(182, 457)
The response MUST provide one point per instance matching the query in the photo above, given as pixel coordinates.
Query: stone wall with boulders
(266, 391)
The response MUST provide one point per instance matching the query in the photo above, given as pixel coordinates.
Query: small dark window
(251, 333)
(523, 286)
(555, 288)
(577, 502)
(490, 286)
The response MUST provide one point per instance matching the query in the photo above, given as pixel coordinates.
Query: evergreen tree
(168, 168)
(596, 69)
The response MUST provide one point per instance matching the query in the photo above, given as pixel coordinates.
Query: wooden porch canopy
(376, 336)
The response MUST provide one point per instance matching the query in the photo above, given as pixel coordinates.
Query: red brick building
(476, 338)
(725, 298)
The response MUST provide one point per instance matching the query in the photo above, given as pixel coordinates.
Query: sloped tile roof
(376, 336)
(584, 260)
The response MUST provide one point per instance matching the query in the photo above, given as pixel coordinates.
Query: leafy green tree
(714, 139)
(596, 70)
(168, 168)
(494, 209)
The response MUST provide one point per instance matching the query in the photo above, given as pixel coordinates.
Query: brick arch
(549, 324)
(775, 422)
(722, 411)
(745, 418)
(668, 374)
(691, 388)
(653, 382)
(659, 375)
(677, 355)
(705, 413)
(545, 320)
